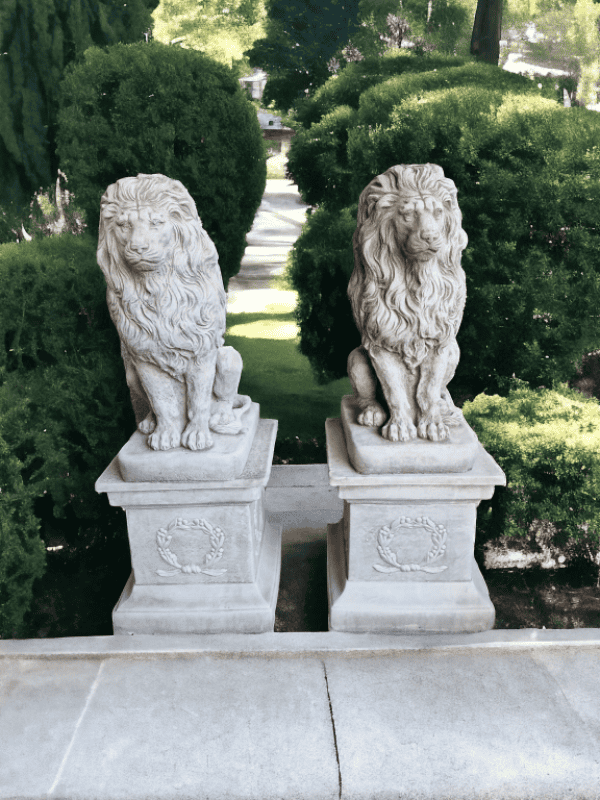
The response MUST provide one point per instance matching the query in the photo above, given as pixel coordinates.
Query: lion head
(408, 288)
(164, 287)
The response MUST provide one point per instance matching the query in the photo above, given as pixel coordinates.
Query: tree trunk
(485, 41)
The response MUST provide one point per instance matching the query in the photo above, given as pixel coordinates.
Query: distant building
(255, 83)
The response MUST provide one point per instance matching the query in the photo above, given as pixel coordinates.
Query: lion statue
(408, 294)
(165, 295)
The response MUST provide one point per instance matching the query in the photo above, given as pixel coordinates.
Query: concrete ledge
(293, 644)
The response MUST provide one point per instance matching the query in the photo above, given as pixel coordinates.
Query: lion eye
(438, 213)
(123, 223)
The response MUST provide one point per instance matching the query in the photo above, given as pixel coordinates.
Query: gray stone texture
(503, 714)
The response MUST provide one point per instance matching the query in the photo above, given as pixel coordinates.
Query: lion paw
(399, 431)
(196, 437)
(148, 424)
(373, 416)
(164, 438)
(434, 431)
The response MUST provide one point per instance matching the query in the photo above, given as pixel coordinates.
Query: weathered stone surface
(225, 460)
(371, 454)
(408, 293)
(401, 559)
(205, 558)
(165, 295)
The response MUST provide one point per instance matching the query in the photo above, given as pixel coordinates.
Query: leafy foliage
(38, 39)
(528, 175)
(547, 442)
(301, 38)
(22, 553)
(220, 33)
(60, 366)
(150, 108)
(321, 265)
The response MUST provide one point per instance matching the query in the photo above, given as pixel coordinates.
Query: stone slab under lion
(371, 454)
(225, 460)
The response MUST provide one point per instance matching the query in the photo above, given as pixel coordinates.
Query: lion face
(143, 237)
(420, 227)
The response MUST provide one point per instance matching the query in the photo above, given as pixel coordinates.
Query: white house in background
(255, 83)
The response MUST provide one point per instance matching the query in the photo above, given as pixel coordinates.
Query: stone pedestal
(401, 559)
(205, 557)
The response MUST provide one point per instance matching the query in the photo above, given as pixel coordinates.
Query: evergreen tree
(38, 38)
(302, 37)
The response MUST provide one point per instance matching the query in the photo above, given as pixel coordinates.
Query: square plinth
(205, 557)
(401, 559)
(371, 454)
(224, 460)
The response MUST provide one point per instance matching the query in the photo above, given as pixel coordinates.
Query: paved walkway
(277, 225)
(506, 714)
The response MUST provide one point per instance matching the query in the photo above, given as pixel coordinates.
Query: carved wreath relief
(195, 527)
(387, 534)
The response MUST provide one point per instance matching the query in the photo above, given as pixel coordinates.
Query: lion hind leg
(364, 385)
(224, 418)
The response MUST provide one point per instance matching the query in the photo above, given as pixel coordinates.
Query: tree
(485, 41)
(301, 39)
(221, 33)
(38, 38)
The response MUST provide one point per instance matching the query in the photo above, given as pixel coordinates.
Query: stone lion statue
(165, 295)
(408, 294)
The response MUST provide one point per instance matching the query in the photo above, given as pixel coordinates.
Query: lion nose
(139, 245)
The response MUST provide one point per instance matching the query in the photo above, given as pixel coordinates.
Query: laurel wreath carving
(216, 536)
(386, 535)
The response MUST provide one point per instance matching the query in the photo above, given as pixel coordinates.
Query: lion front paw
(196, 437)
(148, 424)
(164, 438)
(372, 415)
(399, 430)
(432, 430)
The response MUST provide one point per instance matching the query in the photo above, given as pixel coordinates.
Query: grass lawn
(278, 377)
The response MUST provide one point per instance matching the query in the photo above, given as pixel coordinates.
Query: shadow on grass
(279, 377)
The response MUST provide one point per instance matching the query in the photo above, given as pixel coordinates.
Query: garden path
(277, 225)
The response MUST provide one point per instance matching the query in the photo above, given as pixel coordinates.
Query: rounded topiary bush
(318, 158)
(548, 444)
(321, 264)
(346, 88)
(151, 108)
(60, 365)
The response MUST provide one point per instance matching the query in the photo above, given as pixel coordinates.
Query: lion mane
(172, 318)
(402, 303)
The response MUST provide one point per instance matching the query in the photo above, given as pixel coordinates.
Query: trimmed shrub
(548, 444)
(377, 103)
(321, 265)
(22, 552)
(346, 88)
(318, 158)
(151, 108)
(61, 366)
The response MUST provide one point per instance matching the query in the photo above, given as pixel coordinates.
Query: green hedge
(528, 178)
(22, 553)
(60, 364)
(346, 88)
(320, 268)
(548, 444)
(151, 108)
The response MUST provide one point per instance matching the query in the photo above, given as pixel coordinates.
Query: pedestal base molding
(401, 559)
(205, 557)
